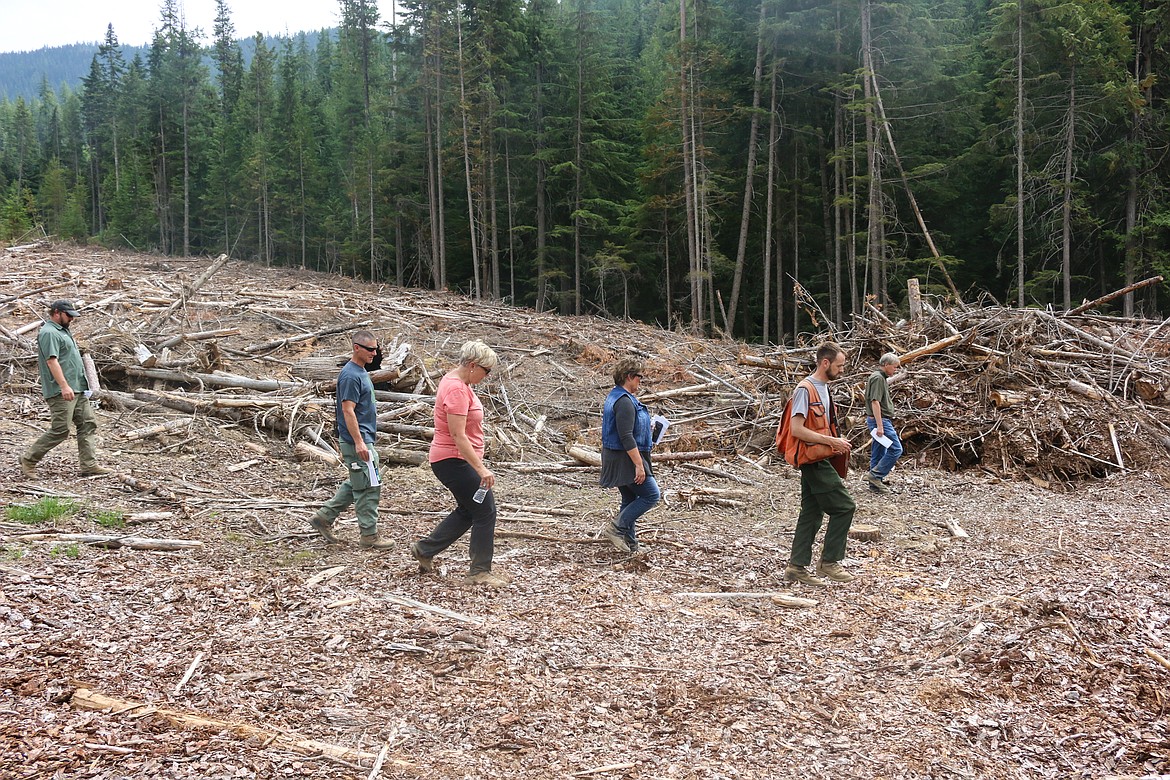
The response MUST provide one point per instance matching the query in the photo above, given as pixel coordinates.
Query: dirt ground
(1028, 650)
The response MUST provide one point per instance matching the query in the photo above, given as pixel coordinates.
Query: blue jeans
(637, 500)
(882, 459)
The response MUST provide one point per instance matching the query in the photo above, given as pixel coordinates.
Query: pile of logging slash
(183, 344)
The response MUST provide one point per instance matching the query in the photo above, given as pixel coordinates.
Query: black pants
(460, 478)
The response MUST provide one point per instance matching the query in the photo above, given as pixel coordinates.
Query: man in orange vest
(822, 490)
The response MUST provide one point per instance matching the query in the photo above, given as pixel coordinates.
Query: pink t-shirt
(456, 397)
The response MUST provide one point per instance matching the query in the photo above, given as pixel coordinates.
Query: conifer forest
(755, 168)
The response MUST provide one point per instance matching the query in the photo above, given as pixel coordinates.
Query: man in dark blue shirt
(357, 423)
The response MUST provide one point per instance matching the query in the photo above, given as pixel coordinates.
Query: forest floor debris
(1029, 649)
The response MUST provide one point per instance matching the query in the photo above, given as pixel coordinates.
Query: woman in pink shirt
(456, 457)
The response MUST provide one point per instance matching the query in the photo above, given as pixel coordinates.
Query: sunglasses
(486, 370)
(367, 349)
(638, 376)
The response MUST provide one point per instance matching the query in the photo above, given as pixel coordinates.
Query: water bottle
(480, 495)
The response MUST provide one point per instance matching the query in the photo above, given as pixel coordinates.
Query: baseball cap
(65, 306)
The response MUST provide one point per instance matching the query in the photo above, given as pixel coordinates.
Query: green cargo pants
(822, 491)
(80, 413)
(356, 490)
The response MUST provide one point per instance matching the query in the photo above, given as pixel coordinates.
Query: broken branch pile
(1006, 389)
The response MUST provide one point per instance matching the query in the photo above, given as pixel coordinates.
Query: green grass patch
(65, 551)
(110, 518)
(44, 511)
(13, 553)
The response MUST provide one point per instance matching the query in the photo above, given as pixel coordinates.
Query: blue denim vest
(609, 433)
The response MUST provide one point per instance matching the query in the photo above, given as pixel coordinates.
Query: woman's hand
(487, 479)
(639, 474)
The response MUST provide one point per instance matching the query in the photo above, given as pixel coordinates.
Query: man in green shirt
(879, 420)
(65, 388)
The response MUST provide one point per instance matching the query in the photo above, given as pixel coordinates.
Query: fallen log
(414, 431)
(1111, 296)
(403, 457)
(145, 487)
(930, 349)
(675, 457)
(113, 542)
(214, 380)
(268, 346)
(156, 430)
(583, 455)
(304, 451)
(179, 338)
(85, 699)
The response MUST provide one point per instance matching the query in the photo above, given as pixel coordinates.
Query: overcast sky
(27, 25)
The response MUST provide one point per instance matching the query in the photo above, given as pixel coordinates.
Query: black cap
(65, 306)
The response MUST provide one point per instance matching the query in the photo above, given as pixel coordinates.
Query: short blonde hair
(479, 353)
(624, 368)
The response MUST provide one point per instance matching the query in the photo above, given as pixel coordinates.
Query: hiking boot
(324, 529)
(425, 564)
(28, 468)
(875, 484)
(834, 571)
(375, 542)
(95, 471)
(610, 532)
(485, 578)
(802, 575)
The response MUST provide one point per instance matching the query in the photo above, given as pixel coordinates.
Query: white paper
(372, 470)
(881, 438)
(665, 424)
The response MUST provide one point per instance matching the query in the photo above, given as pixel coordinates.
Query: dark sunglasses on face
(637, 376)
(486, 370)
(367, 349)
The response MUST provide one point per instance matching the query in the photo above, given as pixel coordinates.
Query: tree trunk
(467, 157)
(1019, 156)
(769, 208)
(1066, 210)
(741, 248)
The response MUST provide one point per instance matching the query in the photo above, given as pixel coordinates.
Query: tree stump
(865, 533)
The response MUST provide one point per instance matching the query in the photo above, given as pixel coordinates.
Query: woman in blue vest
(625, 454)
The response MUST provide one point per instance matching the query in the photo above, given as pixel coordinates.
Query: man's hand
(839, 446)
(363, 451)
(67, 393)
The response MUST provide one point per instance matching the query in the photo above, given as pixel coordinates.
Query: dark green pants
(822, 492)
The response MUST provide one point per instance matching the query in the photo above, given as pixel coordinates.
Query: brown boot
(95, 471)
(28, 468)
(485, 578)
(375, 542)
(425, 564)
(803, 576)
(324, 529)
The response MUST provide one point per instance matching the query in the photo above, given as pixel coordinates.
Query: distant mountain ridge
(22, 72)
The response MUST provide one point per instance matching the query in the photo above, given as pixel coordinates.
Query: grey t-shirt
(800, 397)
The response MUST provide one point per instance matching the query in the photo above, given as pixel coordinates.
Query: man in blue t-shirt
(357, 424)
